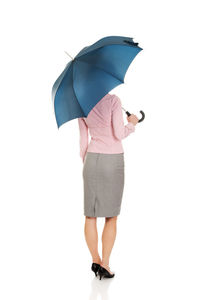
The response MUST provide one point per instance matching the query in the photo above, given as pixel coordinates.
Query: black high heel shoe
(104, 273)
(95, 268)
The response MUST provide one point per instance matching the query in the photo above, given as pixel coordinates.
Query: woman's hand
(133, 119)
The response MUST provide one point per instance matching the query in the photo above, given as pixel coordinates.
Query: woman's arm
(83, 137)
(120, 130)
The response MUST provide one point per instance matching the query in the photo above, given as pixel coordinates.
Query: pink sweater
(106, 127)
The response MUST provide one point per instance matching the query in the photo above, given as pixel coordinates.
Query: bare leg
(91, 237)
(108, 239)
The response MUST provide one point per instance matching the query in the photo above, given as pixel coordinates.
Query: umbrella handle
(141, 119)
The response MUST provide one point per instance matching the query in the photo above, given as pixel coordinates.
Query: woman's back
(100, 115)
(106, 127)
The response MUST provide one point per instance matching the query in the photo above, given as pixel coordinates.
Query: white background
(43, 253)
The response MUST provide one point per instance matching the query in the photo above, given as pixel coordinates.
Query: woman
(103, 174)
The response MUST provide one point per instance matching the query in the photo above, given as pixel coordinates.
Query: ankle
(96, 260)
(105, 263)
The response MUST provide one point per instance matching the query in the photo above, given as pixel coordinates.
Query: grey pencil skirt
(103, 183)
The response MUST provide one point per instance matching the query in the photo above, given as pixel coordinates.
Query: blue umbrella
(88, 77)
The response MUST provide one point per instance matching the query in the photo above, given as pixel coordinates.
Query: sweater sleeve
(120, 130)
(83, 140)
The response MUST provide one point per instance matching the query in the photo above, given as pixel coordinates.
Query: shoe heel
(104, 273)
(95, 268)
(100, 272)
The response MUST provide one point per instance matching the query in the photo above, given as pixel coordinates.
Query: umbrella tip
(69, 55)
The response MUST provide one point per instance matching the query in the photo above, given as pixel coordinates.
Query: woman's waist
(105, 146)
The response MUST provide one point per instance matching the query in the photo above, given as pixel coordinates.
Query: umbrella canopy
(95, 71)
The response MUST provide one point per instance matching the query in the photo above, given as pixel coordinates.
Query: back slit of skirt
(96, 185)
